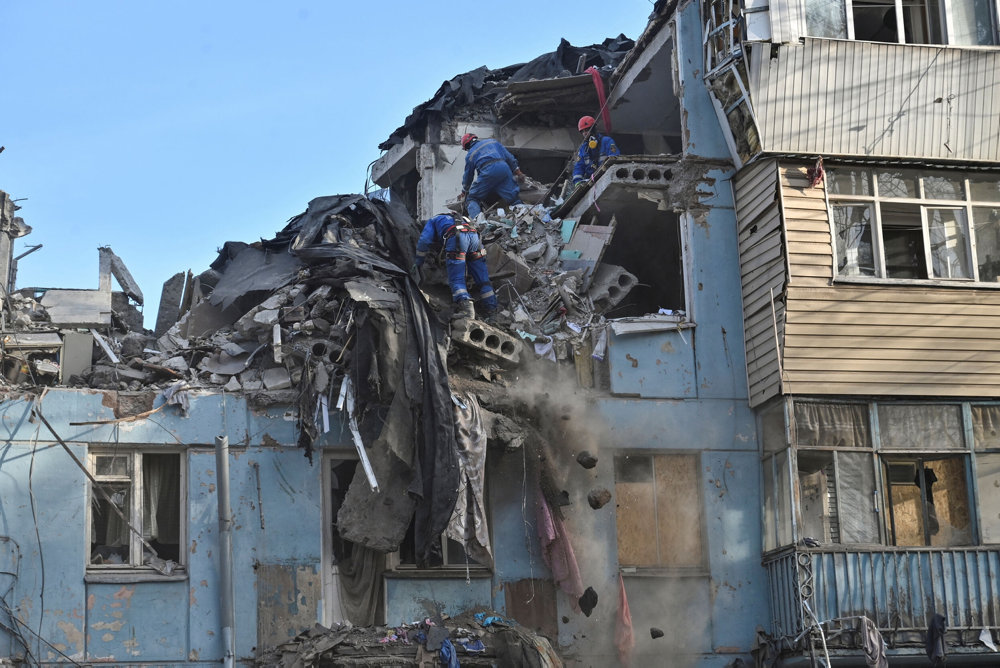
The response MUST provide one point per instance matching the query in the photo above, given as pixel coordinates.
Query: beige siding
(840, 97)
(807, 224)
(763, 272)
(882, 340)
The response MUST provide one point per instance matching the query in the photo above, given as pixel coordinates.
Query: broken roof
(485, 86)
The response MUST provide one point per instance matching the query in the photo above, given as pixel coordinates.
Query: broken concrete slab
(277, 378)
(484, 338)
(121, 273)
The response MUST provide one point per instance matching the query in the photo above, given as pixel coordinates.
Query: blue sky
(163, 129)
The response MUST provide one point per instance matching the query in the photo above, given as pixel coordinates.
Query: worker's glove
(461, 196)
(520, 176)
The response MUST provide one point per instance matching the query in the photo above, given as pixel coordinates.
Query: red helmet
(467, 140)
(586, 122)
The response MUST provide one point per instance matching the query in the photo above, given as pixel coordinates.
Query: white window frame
(967, 205)
(134, 514)
(945, 19)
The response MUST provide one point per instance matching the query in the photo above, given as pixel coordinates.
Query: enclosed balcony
(878, 516)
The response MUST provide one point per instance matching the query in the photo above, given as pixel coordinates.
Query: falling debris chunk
(655, 633)
(588, 601)
(586, 460)
(598, 498)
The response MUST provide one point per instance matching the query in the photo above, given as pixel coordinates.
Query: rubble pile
(474, 638)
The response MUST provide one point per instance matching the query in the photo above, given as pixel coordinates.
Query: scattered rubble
(586, 460)
(474, 638)
(588, 601)
(598, 498)
(655, 633)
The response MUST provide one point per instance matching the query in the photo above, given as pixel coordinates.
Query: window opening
(958, 22)
(145, 488)
(658, 511)
(927, 500)
(907, 224)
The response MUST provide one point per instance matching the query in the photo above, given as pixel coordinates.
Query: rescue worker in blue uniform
(463, 250)
(595, 149)
(494, 169)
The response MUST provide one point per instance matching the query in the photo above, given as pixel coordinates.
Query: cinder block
(610, 285)
(480, 336)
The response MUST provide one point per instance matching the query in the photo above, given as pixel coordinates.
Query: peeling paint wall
(43, 504)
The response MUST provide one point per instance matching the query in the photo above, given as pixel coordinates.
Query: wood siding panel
(816, 98)
(886, 339)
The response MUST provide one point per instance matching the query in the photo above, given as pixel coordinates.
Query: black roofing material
(484, 86)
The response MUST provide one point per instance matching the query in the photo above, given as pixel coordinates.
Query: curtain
(161, 479)
(921, 426)
(831, 425)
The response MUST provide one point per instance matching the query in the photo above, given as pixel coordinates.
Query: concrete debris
(586, 460)
(588, 601)
(655, 633)
(598, 498)
(474, 638)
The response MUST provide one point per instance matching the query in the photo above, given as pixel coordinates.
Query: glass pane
(922, 22)
(921, 426)
(855, 254)
(987, 224)
(161, 503)
(772, 422)
(984, 188)
(109, 533)
(678, 510)
(111, 465)
(875, 21)
(944, 187)
(784, 500)
(859, 523)
(903, 240)
(898, 183)
(972, 23)
(949, 236)
(634, 499)
(988, 477)
(849, 181)
(832, 425)
(826, 19)
(986, 426)
(817, 498)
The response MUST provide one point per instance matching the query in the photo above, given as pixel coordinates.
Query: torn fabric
(254, 270)
(468, 523)
(557, 551)
(624, 635)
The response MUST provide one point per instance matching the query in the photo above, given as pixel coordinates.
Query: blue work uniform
(463, 250)
(589, 159)
(494, 167)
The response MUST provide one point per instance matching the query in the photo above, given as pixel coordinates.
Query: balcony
(899, 589)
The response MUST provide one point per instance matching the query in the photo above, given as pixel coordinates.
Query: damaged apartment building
(737, 408)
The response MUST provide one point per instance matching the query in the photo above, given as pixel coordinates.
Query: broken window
(729, 92)
(136, 509)
(658, 511)
(957, 22)
(724, 29)
(915, 225)
(928, 501)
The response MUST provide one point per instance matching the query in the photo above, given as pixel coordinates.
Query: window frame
(945, 23)
(702, 567)
(135, 567)
(874, 204)
(879, 456)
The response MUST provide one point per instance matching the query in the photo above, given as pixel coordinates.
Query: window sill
(647, 572)
(964, 284)
(125, 576)
(651, 323)
(438, 573)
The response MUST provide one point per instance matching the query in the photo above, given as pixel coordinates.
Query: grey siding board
(839, 97)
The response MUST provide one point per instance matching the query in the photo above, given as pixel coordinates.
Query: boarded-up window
(659, 511)
(928, 501)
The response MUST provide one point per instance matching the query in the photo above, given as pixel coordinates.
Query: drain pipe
(226, 602)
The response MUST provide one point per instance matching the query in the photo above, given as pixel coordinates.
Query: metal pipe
(226, 598)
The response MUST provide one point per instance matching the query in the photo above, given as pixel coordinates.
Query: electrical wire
(38, 538)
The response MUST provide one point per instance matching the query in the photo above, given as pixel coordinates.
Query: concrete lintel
(395, 162)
